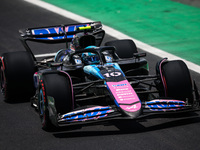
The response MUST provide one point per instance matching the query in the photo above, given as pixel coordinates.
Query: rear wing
(61, 33)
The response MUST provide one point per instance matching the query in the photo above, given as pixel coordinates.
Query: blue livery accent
(55, 30)
(93, 70)
(116, 103)
(47, 31)
(167, 102)
(165, 105)
(52, 38)
(87, 114)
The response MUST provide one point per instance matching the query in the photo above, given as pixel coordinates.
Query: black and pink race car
(86, 83)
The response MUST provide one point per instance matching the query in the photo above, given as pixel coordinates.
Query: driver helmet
(90, 58)
(82, 40)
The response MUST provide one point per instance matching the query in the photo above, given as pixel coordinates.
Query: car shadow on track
(133, 127)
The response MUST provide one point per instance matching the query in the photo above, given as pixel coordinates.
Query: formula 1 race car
(88, 83)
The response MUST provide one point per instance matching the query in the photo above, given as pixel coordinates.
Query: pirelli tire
(17, 69)
(177, 81)
(57, 85)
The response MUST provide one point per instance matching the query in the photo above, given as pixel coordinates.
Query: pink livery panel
(125, 96)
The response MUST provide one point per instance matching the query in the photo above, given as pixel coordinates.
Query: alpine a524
(87, 83)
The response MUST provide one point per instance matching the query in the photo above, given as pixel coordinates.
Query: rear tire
(177, 81)
(17, 69)
(124, 48)
(58, 86)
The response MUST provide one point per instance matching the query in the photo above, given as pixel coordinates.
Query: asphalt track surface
(20, 126)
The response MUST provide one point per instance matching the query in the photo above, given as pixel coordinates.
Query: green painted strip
(164, 24)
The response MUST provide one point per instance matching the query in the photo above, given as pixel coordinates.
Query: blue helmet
(90, 58)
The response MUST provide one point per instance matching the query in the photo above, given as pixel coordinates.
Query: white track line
(112, 32)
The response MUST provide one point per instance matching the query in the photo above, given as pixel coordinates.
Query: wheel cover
(42, 106)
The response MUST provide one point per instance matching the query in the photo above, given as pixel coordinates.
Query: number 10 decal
(112, 74)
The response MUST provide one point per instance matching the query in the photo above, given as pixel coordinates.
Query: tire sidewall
(17, 69)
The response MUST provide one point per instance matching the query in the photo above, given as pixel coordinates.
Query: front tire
(177, 81)
(58, 86)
